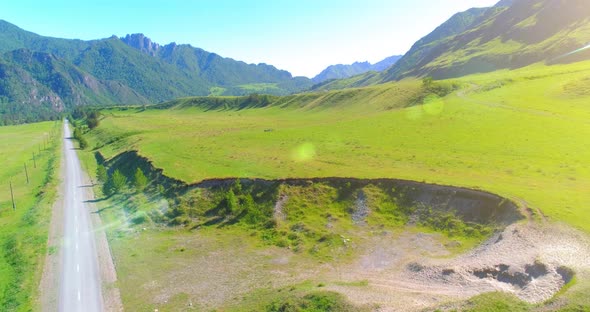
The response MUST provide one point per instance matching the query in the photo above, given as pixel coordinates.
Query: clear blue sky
(301, 36)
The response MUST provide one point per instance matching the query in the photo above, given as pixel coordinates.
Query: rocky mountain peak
(142, 43)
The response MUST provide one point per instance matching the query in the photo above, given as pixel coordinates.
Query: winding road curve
(80, 283)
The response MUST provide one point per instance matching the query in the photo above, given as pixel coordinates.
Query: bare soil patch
(530, 261)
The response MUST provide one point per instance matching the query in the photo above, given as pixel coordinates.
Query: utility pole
(12, 196)
(34, 161)
(27, 173)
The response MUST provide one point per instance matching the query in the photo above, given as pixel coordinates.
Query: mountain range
(42, 76)
(511, 34)
(341, 71)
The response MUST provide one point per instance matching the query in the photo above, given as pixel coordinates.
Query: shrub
(92, 121)
(83, 143)
(118, 181)
(107, 188)
(101, 174)
(317, 301)
(140, 180)
(77, 133)
(237, 186)
(78, 136)
(233, 206)
(140, 217)
(254, 215)
(180, 221)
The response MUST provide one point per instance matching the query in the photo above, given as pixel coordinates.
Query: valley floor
(516, 133)
(403, 268)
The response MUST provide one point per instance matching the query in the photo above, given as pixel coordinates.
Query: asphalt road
(80, 285)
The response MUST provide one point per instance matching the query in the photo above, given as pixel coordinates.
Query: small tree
(232, 202)
(93, 120)
(77, 133)
(92, 123)
(238, 186)
(427, 82)
(140, 180)
(101, 174)
(83, 142)
(107, 187)
(118, 181)
(254, 215)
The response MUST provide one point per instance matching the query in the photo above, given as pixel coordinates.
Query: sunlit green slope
(517, 133)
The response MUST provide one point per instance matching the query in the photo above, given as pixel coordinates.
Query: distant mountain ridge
(43, 76)
(511, 34)
(341, 71)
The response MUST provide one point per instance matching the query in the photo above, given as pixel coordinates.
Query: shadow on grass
(97, 200)
(103, 209)
(210, 222)
(233, 220)
(115, 202)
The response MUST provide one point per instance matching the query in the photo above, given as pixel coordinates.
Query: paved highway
(80, 285)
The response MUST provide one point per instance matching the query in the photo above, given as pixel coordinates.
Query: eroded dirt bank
(469, 204)
(399, 271)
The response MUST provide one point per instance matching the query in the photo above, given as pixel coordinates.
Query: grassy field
(243, 267)
(520, 134)
(23, 232)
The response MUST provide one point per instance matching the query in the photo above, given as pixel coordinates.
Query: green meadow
(521, 134)
(23, 232)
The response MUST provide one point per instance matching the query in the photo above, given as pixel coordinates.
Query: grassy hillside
(510, 35)
(516, 133)
(23, 232)
(50, 85)
(44, 75)
(363, 80)
(423, 48)
(485, 40)
(420, 52)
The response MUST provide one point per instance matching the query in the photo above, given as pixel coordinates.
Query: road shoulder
(48, 287)
(108, 273)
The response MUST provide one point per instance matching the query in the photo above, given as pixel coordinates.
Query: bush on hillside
(140, 217)
(83, 143)
(314, 302)
(119, 181)
(140, 180)
(233, 206)
(101, 174)
(93, 119)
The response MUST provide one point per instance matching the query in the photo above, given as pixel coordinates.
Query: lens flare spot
(304, 152)
(414, 113)
(433, 105)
